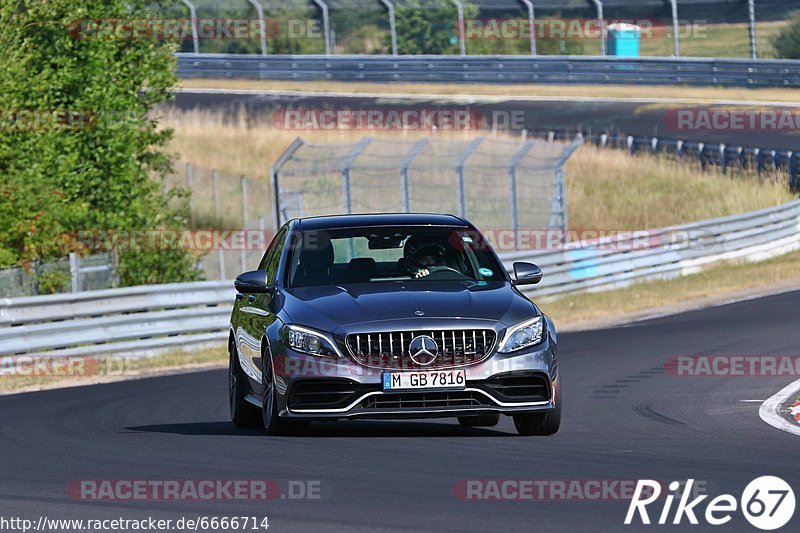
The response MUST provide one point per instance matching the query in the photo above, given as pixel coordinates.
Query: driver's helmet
(421, 252)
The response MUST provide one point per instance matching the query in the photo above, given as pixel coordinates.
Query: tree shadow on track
(368, 429)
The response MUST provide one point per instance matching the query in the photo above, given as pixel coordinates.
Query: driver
(424, 256)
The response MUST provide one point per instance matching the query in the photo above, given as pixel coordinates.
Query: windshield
(385, 254)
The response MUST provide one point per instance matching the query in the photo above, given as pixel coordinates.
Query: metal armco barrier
(141, 320)
(496, 69)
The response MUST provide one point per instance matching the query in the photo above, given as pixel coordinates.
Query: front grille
(427, 400)
(322, 394)
(520, 387)
(391, 349)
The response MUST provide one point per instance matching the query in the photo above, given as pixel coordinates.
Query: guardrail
(139, 320)
(496, 69)
(724, 156)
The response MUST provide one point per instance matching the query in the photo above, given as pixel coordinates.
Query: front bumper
(315, 388)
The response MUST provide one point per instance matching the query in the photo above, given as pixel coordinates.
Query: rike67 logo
(767, 503)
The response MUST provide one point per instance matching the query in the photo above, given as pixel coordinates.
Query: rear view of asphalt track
(625, 418)
(623, 117)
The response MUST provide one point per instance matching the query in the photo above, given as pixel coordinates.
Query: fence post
(190, 186)
(220, 252)
(531, 20)
(751, 10)
(512, 182)
(193, 15)
(405, 182)
(794, 183)
(599, 5)
(74, 272)
(262, 25)
(461, 186)
(348, 162)
(243, 253)
(462, 38)
(676, 30)
(392, 24)
(326, 25)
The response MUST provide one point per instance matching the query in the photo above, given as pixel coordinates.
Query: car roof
(383, 219)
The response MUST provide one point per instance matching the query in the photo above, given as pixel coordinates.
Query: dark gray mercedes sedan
(389, 316)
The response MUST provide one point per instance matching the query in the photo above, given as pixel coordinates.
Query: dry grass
(607, 189)
(517, 90)
(718, 281)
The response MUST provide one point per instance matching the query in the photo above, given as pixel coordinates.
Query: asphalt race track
(624, 117)
(625, 418)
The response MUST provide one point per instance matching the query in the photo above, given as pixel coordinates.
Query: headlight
(308, 341)
(522, 335)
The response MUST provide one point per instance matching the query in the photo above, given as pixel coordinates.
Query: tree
(78, 147)
(787, 42)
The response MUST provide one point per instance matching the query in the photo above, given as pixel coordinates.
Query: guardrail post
(405, 182)
(326, 25)
(676, 30)
(701, 153)
(723, 158)
(759, 160)
(35, 281)
(460, 184)
(751, 10)
(74, 271)
(462, 38)
(601, 21)
(392, 24)
(794, 182)
(193, 15)
(262, 25)
(531, 20)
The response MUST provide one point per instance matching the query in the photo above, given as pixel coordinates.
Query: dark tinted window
(385, 254)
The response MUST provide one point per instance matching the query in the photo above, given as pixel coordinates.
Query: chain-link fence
(709, 28)
(68, 274)
(238, 212)
(497, 184)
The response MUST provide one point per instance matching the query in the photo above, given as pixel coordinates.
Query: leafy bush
(87, 158)
(787, 42)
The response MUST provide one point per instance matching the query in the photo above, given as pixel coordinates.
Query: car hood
(331, 308)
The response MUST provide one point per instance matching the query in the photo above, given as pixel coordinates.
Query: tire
(243, 413)
(274, 425)
(487, 420)
(540, 423)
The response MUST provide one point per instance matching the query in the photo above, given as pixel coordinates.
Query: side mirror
(254, 282)
(527, 274)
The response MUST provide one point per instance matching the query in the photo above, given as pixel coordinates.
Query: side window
(272, 258)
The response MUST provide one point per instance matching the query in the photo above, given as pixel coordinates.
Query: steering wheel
(442, 270)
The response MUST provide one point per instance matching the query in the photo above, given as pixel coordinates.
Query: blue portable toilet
(623, 40)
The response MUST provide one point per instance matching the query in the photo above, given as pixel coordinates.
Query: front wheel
(273, 424)
(540, 423)
(243, 413)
